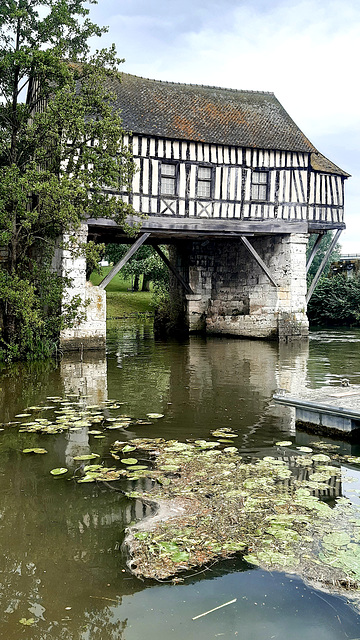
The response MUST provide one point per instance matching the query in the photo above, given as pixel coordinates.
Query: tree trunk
(136, 283)
(146, 283)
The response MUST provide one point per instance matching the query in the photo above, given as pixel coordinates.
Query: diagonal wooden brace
(176, 273)
(119, 265)
(260, 262)
(323, 265)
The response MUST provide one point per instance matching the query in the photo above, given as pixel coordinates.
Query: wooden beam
(133, 249)
(323, 265)
(173, 226)
(260, 262)
(314, 251)
(176, 273)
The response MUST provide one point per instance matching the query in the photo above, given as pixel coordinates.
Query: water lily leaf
(129, 460)
(320, 457)
(88, 456)
(337, 539)
(305, 449)
(35, 450)
(283, 443)
(127, 448)
(95, 432)
(141, 535)
(87, 478)
(169, 467)
(27, 622)
(155, 415)
(23, 415)
(59, 471)
(180, 556)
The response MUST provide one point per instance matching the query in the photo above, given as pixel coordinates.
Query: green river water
(62, 565)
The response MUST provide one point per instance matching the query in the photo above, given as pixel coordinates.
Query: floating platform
(330, 410)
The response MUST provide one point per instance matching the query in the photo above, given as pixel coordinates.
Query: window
(204, 182)
(259, 185)
(168, 179)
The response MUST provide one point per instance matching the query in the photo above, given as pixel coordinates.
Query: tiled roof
(209, 114)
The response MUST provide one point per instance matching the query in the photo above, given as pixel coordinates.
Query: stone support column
(90, 331)
(234, 296)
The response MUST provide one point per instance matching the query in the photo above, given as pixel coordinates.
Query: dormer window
(259, 185)
(204, 182)
(168, 179)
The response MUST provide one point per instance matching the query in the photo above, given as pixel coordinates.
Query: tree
(144, 263)
(335, 302)
(62, 158)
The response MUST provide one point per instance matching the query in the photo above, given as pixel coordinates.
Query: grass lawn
(119, 300)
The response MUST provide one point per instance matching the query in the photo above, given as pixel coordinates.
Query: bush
(336, 302)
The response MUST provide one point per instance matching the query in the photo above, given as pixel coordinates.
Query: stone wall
(234, 296)
(90, 331)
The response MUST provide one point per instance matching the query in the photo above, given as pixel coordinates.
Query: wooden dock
(331, 410)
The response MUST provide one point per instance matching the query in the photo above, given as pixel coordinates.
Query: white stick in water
(216, 608)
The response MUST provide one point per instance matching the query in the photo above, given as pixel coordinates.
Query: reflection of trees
(24, 384)
(60, 545)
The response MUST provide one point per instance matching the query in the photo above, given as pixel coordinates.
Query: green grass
(119, 300)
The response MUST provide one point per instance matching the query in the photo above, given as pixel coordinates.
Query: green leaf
(58, 471)
(27, 622)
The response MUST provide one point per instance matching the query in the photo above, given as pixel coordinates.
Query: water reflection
(62, 541)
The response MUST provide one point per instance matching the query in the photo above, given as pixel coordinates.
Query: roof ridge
(204, 86)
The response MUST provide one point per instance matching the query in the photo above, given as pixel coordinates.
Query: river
(63, 571)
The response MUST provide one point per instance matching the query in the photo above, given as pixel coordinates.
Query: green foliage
(62, 158)
(146, 262)
(324, 245)
(336, 302)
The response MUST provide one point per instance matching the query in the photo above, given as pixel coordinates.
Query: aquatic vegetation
(213, 502)
(260, 508)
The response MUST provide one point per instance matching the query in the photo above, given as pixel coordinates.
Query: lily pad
(155, 415)
(59, 471)
(128, 448)
(87, 456)
(129, 460)
(284, 443)
(35, 450)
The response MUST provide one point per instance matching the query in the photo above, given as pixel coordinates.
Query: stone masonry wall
(90, 331)
(233, 295)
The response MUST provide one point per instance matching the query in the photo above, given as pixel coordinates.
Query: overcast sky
(306, 51)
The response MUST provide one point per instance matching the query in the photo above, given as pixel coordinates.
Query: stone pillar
(89, 332)
(234, 296)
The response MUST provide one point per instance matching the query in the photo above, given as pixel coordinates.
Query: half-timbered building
(233, 186)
